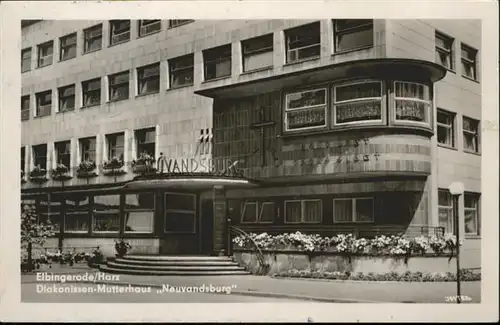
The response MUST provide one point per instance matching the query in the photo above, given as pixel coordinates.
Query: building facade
(157, 130)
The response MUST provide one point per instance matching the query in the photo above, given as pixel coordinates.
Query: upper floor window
(353, 210)
(352, 34)
(45, 52)
(116, 145)
(412, 102)
(66, 98)
(119, 31)
(43, 103)
(119, 86)
(40, 156)
(358, 103)
(92, 39)
(303, 42)
(446, 128)
(26, 60)
(148, 79)
(469, 62)
(181, 71)
(471, 214)
(257, 52)
(146, 139)
(63, 153)
(91, 90)
(470, 129)
(303, 211)
(88, 149)
(306, 109)
(147, 27)
(67, 48)
(444, 51)
(25, 107)
(178, 22)
(217, 62)
(253, 212)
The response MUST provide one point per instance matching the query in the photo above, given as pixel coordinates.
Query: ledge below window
(314, 58)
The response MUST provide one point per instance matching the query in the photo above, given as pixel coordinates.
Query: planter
(143, 169)
(39, 179)
(61, 177)
(113, 171)
(86, 174)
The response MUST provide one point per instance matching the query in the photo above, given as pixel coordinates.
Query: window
(40, 156)
(303, 211)
(119, 31)
(217, 62)
(445, 211)
(255, 212)
(470, 129)
(353, 210)
(181, 71)
(412, 102)
(469, 63)
(139, 212)
(91, 92)
(67, 47)
(147, 27)
(116, 144)
(180, 212)
(88, 149)
(355, 103)
(49, 210)
(471, 214)
(63, 153)
(23, 159)
(446, 128)
(26, 60)
(257, 53)
(66, 98)
(353, 34)
(119, 86)
(305, 110)
(146, 139)
(303, 42)
(43, 103)
(45, 51)
(106, 213)
(148, 79)
(77, 213)
(92, 39)
(178, 22)
(25, 108)
(444, 51)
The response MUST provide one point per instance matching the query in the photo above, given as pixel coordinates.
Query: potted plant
(122, 247)
(144, 163)
(60, 172)
(86, 169)
(113, 166)
(38, 174)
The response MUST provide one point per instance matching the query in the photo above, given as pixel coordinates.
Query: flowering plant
(113, 163)
(86, 166)
(38, 172)
(144, 159)
(122, 247)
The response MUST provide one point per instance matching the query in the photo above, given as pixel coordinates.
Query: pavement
(241, 286)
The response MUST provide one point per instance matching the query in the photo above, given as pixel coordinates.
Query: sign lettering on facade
(203, 165)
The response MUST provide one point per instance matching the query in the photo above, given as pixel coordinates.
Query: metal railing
(263, 266)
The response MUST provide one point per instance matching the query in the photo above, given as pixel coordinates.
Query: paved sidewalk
(309, 289)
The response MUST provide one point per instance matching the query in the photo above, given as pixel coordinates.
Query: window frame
(61, 98)
(302, 208)
(27, 59)
(152, 22)
(143, 132)
(293, 30)
(188, 212)
(87, 39)
(428, 102)
(46, 107)
(62, 47)
(125, 210)
(178, 22)
(214, 56)
(476, 134)
(381, 99)
(66, 154)
(477, 200)
(25, 112)
(109, 148)
(467, 61)
(368, 25)
(93, 215)
(449, 208)
(353, 203)
(82, 144)
(40, 59)
(246, 54)
(286, 110)
(86, 90)
(36, 157)
(259, 209)
(112, 31)
(142, 79)
(112, 86)
(451, 128)
(88, 213)
(172, 71)
(449, 52)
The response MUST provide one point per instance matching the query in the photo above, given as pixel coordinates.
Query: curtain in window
(342, 210)
(293, 211)
(312, 211)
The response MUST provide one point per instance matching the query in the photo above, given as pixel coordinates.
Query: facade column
(220, 221)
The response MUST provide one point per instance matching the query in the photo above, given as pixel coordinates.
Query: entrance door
(206, 227)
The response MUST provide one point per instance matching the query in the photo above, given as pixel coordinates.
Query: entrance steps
(173, 265)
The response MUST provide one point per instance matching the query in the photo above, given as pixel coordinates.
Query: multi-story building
(155, 130)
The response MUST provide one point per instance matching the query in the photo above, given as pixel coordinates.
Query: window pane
(342, 210)
(140, 201)
(445, 135)
(470, 201)
(343, 24)
(355, 40)
(139, 221)
(77, 222)
(293, 211)
(446, 219)
(249, 212)
(306, 99)
(267, 212)
(358, 91)
(180, 202)
(179, 222)
(408, 110)
(77, 203)
(444, 198)
(312, 211)
(306, 118)
(364, 210)
(258, 61)
(471, 226)
(106, 213)
(49, 211)
(358, 111)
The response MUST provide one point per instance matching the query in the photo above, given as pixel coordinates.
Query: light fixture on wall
(456, 189)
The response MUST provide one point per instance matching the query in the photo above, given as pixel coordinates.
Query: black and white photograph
(222, 161)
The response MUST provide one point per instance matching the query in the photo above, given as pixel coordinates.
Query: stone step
(175, 267)
(108, 269)
(175, 262)
(176, 258)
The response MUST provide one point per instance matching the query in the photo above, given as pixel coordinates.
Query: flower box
(61, 173)
(38, 175)
(144, 164)
(143, 169)
(86, 169)
(113, 167)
